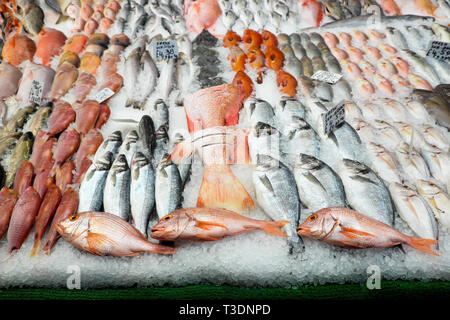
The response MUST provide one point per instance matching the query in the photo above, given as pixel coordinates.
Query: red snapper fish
(201, 14)
(347, 228)
(106, 234)
(209, 224)
(218, 147)
(213, 106)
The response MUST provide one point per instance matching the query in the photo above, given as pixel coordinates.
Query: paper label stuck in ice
(327, 76)
(103, 95)
(166, 50)
(36, 91)
(334, 117)
(439, 50)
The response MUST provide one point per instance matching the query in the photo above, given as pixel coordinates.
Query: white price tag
(439, 50)
(165, 50)
(334, 117)
(36, 90)
(327, 76)
(103, 95)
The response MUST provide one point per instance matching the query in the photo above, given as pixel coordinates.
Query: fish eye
(73, 218)
(312, 217)
(168, 217)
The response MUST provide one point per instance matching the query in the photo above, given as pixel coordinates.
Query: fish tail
(159, 248)
(422, 244)
(274, 227)
(37, 244)
(221, 189)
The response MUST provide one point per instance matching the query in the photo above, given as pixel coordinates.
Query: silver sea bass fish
(366, 192)
(318, 185)
(276, 193)
(142, 191)
(169, 188)
(91, 188)
(116, 194)
(111, 144)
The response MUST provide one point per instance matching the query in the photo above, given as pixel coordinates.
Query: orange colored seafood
(114, 82)
(67, 145)
(8, 199)
(286, 83)
(237, 59)
(47, 209)
(105, 24)
(65, 77)
(214, 106)
(257, 61)
(243, 81)
(201, 14)
(331, 40)
(22, 218)
(44, 155)
(274, 58)
(209, 224)
(76, 43)
(49, 44)
(88, 146)
(90, 26)
(90, 63)
(103, 116)
(269, 39)
(83, 86)
(231, 39)
(251, 39)
(347, 228)
(17, 49)
(390, 7)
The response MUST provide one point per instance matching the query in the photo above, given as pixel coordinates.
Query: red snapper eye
(312, 217)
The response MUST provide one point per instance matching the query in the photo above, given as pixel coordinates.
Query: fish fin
(181, 151)
(422, 244)
(220, 188)
(99, 244)
(207, 238)
(274, 227)
(35, 249)
(206, 225)
(353, 233)
(159, 248)
(61, 19)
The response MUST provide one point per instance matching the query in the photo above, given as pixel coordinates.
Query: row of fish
(132, 177)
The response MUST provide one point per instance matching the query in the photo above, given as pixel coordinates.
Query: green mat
(389, 290)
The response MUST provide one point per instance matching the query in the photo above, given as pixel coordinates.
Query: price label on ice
(36, 92)
(103, 95)
(334, 117)
(439, 50)
(165, 50)
(327, 76)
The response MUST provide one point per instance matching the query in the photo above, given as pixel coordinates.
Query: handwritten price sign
(165, 50)
(439, 50)
(334, 117)
(36, 92)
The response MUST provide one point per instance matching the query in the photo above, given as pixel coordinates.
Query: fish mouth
(59, 228)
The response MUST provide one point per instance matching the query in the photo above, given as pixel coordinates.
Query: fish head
(73, 226)
(172, 226)
(427, 188)
(313, 227)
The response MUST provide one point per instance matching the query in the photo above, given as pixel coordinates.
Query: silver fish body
(111, 144)
(259, 110)
(116, 194)
(168, 191)
(264, 139)
(129, 145)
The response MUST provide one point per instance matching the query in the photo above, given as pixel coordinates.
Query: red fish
(218, 147)
(90, 26)
(114, 82)
(87, 115)
(64, 175)
(347, 228)
(22, 218)
(274, 58)
(251, 39)
(209, 224)
(67, 145)
(231, 39)
(244, 83)
(103, 116)
(44, 156)
(62, 116)
(65, 77)
(311, 12)
(214, 106)
(390, 7)
(17, 49)
(42, 181)
(76, 43)
(201, 14)
(269, 39)
(257, 61)
(46, 211)
(24, 177)
(83, 86)
(89, 145)
(286, 83)
(8, 199)
(67, 207)
(49, 44)
(237, 59)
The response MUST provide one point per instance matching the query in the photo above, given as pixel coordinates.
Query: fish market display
(128, 122)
